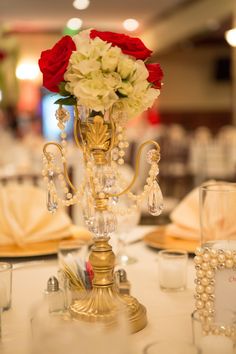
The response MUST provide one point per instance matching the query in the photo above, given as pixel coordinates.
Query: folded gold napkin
(24, 218)
(219, 215)
(185, 218)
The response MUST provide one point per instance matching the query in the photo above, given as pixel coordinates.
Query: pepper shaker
(122, 282)
(54, 296)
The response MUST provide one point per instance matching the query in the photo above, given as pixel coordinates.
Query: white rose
(109, 100)
(149, 97)
(113, 80)
(82, 42)
(133, 106)
(140, 87)
(99, 48)
(110, 59)
(76, 58)
(140, 72)
(126, 66)
(94, 92)
(87, 66)
(72, 80)
(125, 89)
(72, 77)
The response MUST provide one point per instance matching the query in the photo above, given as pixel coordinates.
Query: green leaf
(62, 90)
(67, 101)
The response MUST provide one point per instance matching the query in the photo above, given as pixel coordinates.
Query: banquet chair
(33, 179)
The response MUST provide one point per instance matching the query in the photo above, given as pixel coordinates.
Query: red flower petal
(53, 62)
(155, 74)
(129, 45)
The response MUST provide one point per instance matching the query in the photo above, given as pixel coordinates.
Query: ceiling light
(74, 23)
(130, 24)
(81, 4)
(230, 37)
(27, 70)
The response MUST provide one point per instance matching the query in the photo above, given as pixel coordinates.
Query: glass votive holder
(197, 332)
(72, 251)
(172, 265)
(170, 347)
(209, 343)
(74, 277)
(5, 285)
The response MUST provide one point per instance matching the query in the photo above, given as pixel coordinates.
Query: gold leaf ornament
(98, 136)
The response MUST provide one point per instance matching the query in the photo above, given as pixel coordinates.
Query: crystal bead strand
(118, 152)
(50, 171)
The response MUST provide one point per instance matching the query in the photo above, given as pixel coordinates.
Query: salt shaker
(54, 296)
(122, 282)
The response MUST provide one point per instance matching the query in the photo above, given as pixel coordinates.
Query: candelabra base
(103, 302)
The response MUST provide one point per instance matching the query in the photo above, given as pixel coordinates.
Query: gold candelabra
(101, 138)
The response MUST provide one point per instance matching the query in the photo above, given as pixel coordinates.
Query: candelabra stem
(103, 301)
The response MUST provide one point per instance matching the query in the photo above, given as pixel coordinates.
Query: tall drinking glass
(126, 223)
(218, 215)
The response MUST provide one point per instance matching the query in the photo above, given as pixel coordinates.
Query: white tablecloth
(168, 313)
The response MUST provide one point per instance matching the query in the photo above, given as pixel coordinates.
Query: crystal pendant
(51, 202)
(104, 223)
(155, 200)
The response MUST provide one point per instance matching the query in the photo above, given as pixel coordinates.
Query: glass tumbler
(170, 347)
(172, 265)
(217, 215)
(5, 285)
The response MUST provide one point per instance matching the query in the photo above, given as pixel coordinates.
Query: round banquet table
(169, 313)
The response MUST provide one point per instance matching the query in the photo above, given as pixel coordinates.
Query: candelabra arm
(65, 169)
(137, 164)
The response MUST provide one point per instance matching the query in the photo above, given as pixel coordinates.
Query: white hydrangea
(101, 77)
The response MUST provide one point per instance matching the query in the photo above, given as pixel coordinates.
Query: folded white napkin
(24, 218)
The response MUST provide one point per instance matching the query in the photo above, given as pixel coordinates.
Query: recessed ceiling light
(81, 4)
(130, 24)
(230, 37)
(74, 23)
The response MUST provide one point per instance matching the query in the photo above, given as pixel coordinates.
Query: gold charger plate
(160, 240)
(45, 248)
(35, 249)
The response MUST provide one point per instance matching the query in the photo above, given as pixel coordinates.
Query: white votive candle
(213, 344)
(172, 269)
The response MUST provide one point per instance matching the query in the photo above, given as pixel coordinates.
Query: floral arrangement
(102, 70)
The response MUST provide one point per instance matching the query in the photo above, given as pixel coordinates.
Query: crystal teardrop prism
(52, 204)
(155, 200)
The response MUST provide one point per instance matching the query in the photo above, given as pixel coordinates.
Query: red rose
(155, 74)
(128, 45)
(53, 63)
